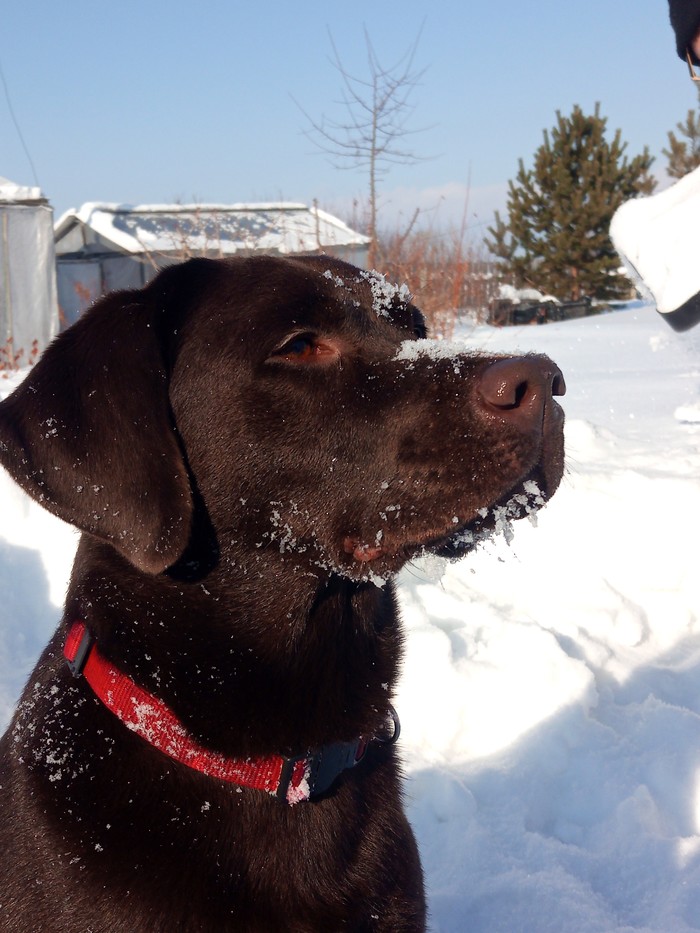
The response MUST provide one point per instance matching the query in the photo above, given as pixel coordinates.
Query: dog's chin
(456, 539)
(522, 501)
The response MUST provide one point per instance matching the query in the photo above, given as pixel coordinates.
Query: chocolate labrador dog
(251, 448)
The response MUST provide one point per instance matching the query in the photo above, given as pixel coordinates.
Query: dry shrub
(12, 359)
(449, 276)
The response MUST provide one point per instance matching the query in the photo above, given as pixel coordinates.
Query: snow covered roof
(12, 193)
(221, 228)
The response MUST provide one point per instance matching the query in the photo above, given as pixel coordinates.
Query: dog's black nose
(519, 388)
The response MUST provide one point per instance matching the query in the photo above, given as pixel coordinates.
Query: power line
(16, 123)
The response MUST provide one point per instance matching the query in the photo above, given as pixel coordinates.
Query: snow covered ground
(550, 700)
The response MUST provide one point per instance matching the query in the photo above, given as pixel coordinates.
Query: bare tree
(372, 133)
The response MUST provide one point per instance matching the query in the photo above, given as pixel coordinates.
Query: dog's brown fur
(246, 456)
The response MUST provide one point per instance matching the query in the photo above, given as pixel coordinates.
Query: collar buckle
(305, 777)
(77, 648)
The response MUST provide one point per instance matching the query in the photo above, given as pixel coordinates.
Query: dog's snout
(518, 389)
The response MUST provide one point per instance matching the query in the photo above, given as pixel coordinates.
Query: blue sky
(143, 102)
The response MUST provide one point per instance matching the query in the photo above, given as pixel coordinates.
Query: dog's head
(295, 402)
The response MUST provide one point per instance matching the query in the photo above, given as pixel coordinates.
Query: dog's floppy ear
(89, 433)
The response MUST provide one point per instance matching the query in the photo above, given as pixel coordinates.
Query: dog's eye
(305, 348)
(300, 347)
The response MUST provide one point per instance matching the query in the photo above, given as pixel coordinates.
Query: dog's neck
(253, 684)
(301, 777)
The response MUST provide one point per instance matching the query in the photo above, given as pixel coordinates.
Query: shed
(102, 247)
(28, 305)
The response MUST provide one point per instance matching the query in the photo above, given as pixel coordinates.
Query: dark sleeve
(685, 19)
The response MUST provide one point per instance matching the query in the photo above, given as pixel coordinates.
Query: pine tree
(559, 211)
(684, 155)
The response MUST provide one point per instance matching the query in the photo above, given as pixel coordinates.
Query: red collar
(291, 779)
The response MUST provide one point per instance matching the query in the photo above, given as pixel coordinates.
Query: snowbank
(551, 693)
(550, 699)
